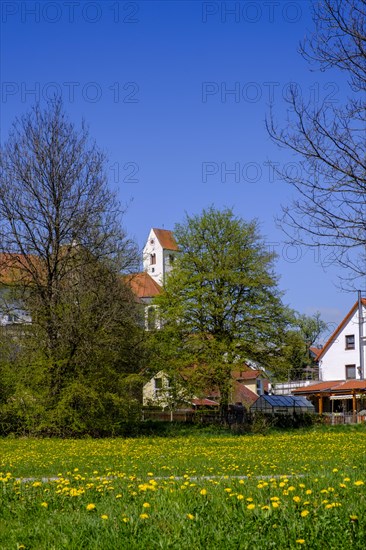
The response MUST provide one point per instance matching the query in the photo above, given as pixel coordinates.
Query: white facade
(158, 255)
(340, 357)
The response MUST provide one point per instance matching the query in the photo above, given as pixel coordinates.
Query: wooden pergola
(346, 389)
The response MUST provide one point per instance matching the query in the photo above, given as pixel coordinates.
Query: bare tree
(330, 142)
(62, 246)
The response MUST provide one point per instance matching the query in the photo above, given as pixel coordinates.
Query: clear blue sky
(153, 81)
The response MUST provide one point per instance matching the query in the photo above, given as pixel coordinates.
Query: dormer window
(152, 259)
(152, 241)
(350, 341)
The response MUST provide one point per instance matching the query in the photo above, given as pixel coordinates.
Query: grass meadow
(304, 489)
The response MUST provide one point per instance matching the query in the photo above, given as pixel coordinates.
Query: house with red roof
(341, 386)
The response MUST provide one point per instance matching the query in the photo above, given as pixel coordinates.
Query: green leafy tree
(63, 251)
(220, 305)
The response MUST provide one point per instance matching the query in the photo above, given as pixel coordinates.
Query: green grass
(199, 490)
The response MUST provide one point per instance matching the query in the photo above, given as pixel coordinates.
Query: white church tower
(159, 253)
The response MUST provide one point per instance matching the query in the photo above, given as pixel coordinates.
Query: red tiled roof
(16, 268)
(315, 351)
(333, 337)
(333, 386)
(205, 402)
(143, 286)
(166, 239)
(243, 394)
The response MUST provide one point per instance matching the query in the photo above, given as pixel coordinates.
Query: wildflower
(44, 504)
(228, 490)
(104, 516)
(240, 497)
(125, 520)
(300, 541)
(203, 492)
(353, 518)
(249, 499)
(190, 516)
(358, 483)
(304, 513)
(251, 506)
(37, 484)
(275, 504)
(265, 507)
(90, 507)
(144, 516)
(296, 499)
(308, 492)
(119, 496)
(146, 505)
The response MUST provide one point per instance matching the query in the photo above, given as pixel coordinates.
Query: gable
(333, 338)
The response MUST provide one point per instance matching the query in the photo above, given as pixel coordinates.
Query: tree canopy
(221, 305)
(63, 251)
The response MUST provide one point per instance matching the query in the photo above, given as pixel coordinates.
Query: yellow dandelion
(90, 507)
(359, 483)
(144, 516)
(353, 518)
(308, 492)
(275, 504)
(203, 492)
(265, 507)
(304, 513)
(251, 506)
(104, 516)
(146, 505)
(300, 541)
(296, 499)
(190, 516)
(125, 519)
(44, 504)
(240, 497)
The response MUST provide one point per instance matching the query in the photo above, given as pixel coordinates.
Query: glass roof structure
(282, 403)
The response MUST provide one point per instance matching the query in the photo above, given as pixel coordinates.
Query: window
(350, 372)
(171, 259)
(350, 341)
(259, 386)
(152, 259)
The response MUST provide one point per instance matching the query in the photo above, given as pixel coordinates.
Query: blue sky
(176, 93)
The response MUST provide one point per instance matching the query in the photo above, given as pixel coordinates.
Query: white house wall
(332, 365)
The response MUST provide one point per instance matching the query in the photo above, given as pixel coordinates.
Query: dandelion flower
(300, 541)
(251, 506)
(203, 492)
(144, 516)
(146, 505)
(190, 516)
(90, 507)
(44, 504)
(104, 516)
(304, 513)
